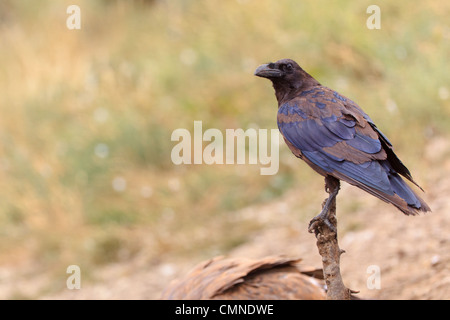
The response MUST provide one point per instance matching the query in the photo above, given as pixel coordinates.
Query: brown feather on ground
(270, 278)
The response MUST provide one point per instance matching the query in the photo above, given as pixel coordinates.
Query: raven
(337, 139)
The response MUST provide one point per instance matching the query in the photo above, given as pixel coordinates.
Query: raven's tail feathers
(404, 198)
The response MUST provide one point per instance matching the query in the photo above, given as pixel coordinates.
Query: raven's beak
(265, 72)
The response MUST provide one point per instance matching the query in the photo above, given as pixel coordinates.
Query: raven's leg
(332, 186)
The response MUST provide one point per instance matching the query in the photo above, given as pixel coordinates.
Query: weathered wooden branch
(327, 243)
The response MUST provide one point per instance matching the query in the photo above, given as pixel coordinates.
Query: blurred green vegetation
(87, 115)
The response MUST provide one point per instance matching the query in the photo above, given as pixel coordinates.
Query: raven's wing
(335, 136)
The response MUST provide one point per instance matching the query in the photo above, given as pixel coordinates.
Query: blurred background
(86, 176)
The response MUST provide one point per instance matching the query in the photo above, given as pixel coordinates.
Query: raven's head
(287, 77)
(285, 69)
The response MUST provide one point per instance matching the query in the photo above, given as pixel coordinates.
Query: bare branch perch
(327, 244)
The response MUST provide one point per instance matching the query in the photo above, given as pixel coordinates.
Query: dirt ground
(412, 253)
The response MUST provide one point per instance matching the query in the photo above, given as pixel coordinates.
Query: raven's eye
(288, 67)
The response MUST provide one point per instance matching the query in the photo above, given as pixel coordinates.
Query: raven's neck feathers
(285, 91)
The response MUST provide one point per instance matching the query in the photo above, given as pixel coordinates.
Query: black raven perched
(336, 138)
